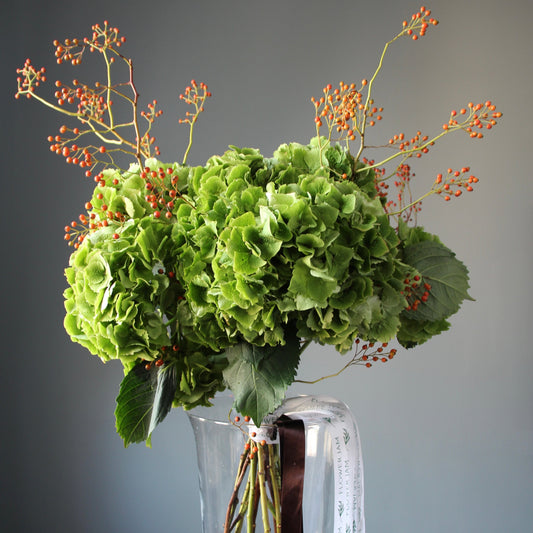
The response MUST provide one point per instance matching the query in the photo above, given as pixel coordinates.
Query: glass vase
(265, 493)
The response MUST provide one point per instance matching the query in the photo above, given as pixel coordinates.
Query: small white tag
(269, 434)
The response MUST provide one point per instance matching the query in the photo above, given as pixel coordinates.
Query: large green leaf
(258, 376)
(447, 276)
(145, 398)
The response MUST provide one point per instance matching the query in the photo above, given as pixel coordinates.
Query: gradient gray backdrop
(447, 429)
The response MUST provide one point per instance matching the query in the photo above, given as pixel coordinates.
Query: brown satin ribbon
(292, 449)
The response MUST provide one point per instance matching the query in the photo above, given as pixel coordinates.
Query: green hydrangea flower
(270, 242)
(121, 301)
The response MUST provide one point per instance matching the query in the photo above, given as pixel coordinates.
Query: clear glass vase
(332, 494)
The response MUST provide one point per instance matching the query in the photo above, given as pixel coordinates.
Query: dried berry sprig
(416, 27)
(167, 353)
(93, 106)
(401, 204)
(475, 117)
(341, 110)
(348, 111)
(448, 186)
(99, 216)
(88, 157)
(365, 354)
(162, 190)
(195, 94)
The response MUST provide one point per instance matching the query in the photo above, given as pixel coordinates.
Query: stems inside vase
(258, 479)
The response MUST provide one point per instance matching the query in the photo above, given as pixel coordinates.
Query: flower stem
(273, 467)
(262, 488)
(243, 466)
(190, 143)
(251, 494)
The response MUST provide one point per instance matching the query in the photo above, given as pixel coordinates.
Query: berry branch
(363, 355)
(348, 112)
(346, 108)
(419, 22)
(197, 99)
(93, 106)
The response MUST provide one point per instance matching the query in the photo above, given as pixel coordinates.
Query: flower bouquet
(212, 277)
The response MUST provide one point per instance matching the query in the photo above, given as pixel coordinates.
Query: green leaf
(447, 276)
(413, 332)
(144, 400)
(259, 376)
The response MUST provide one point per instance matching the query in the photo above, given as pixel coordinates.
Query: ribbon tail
(292, 449)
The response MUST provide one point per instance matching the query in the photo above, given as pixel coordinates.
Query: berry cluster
(161, 193)
(160, 361)
(403, 204)
(87, 157)
(420, 22)
(93, 107)
(195, 95)
(105, 38)
(367, 352)
(453, 183)
(416, 291)
(161, 190)
(98, 216)
(342, 110)
(29, 78)
(416, 146)
(476, 117)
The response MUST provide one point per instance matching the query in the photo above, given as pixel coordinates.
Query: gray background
(447, 429)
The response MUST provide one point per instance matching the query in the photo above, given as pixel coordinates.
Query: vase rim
(221, 409)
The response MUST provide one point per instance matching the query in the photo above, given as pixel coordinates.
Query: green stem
(413, 150)
(190, 143)
(404, 208)
(243, 466)
(347, 365)
(251, 494)
(304, 345)
(108, 90)
(273, 468)
(52, 106)
(239, 521)
(368, 97)
(262, 489)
